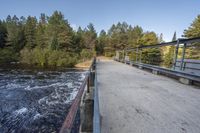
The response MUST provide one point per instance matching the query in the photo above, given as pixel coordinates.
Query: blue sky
(153, 15)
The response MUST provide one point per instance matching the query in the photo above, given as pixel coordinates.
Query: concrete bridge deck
(135, 101)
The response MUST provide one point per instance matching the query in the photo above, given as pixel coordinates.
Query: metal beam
(96, 118)
(169, 71)
(141, 56)
(183, 56)
(176, 54)
(136, 55)
(181, 41)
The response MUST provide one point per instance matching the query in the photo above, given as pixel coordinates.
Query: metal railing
(84, 88)
(96, 118)
(68, 123)
(166, 71)
(181, 63)
(188, 65)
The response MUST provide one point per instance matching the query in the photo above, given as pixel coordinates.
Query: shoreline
(83, 65)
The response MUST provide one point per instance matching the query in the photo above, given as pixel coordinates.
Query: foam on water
(82, 77)
(36, 116)
(70, 85)
(71, 97)
(42, 100)
(13, 86)
(21, 111)
(36, 101)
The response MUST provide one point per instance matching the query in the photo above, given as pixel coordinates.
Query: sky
(160, 16)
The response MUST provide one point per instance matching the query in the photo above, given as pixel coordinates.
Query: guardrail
(179, 65)
(189, 66)
(68, 123)
(96, 118)
(85, 88)
(167, 71)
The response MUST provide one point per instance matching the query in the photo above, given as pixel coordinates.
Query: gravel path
(136, 101)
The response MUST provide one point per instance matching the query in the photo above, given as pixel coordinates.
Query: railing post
(92, 78)
(176, 54)
(137, 56)
(88, 84)
(94, 64)
(140, 56)
(87, 112)
(183, 57)
(68, 123)
(123, 56)
(96, 118)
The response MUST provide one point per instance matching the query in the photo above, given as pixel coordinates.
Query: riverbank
(86, 64)
(81, 65)
(104, 58)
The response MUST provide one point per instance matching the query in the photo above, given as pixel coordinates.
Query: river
(35, 100)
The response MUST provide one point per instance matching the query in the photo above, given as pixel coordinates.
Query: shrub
(40, 56)
(87, 54)
(48, 58)
(109, 54)
(26, 56)
(8, 55)
(52, 58)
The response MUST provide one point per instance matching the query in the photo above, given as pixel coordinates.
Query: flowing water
(36, 101)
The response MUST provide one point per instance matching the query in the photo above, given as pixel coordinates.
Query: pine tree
(134, 36)
(102, 41)
(30, 32)
(78, 41)
(60, 28)
(54, 43)
(119, 37)
(168, 59)
(3, 34)
(153, 55)
(90, 37)
(193, 31)
(161, 38)
(41, 39)
(43, 19)
(15, 33)
(174, 36)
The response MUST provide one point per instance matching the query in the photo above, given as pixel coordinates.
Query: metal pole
(123, 56)
(183, 56)
(176, 54)
(96, 118)
(88, 84)
(137, 55)
(141, 56)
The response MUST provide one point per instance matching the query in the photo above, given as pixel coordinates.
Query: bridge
(124, 96)
(136, 101)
